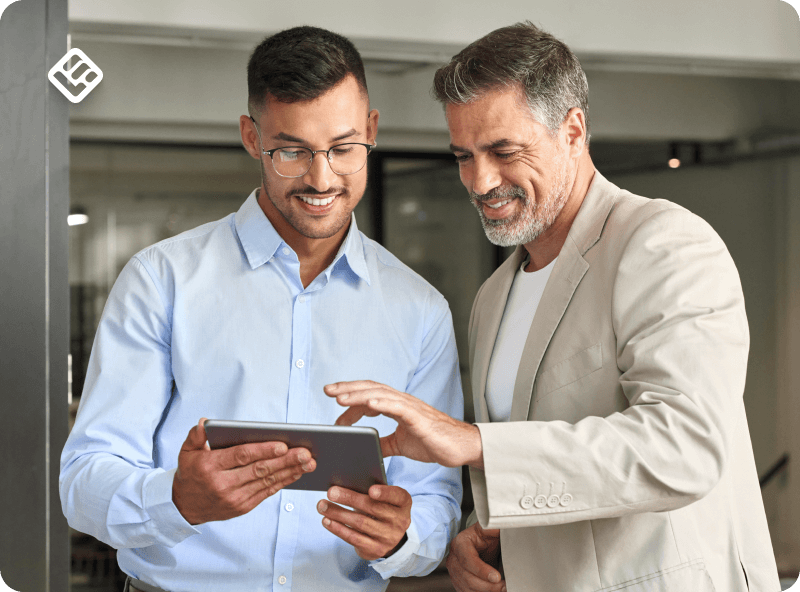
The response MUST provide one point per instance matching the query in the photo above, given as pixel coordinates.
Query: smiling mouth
(499, 204)
(315, 201)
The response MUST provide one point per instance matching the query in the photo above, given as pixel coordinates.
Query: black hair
(300, 64)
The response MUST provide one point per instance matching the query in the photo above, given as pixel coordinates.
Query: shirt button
(285, 252)
(289, 507)
(282, 580)
(526, 502)
(301, 299)
(566, 499)
(540, 501)
(299, 363)
(553, 501)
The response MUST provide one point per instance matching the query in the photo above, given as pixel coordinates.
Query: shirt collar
(260, 240)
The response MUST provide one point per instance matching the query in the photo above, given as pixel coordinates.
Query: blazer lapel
(567, 274)
(497, 290)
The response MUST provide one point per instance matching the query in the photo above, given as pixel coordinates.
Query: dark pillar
(34, 296)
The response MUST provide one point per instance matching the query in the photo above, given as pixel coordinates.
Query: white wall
(174, 70)
(740, 30)
(185, 94)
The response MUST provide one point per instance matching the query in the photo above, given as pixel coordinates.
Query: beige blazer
(627, 463)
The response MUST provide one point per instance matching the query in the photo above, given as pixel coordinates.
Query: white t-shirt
(523, 300)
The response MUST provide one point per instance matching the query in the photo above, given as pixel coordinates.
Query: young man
(246, 319)
(607, 355)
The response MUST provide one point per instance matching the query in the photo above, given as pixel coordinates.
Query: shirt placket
(296, 412)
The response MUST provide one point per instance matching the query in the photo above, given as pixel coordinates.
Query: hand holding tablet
(349, 466)
(349, 457)
(214, 485)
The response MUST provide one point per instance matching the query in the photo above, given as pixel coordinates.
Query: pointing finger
(352, 415)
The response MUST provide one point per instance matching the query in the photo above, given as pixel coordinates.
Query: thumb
(196, 440)
(389, 446)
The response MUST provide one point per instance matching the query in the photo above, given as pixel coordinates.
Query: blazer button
(540, 501)
(553, 501)
(526, 502)
(566, 500)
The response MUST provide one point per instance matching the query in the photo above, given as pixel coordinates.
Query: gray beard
(525, 226)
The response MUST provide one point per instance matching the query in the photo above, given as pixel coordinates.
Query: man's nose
(483, 177)
(320, 176)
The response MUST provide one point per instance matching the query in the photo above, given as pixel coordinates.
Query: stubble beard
(526, 225)
(295, 219)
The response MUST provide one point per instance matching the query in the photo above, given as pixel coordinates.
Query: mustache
(499, 193)
(308, 190)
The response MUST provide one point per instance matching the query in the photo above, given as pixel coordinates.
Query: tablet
(347, 456)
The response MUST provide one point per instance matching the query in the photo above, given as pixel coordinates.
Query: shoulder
(633, 214)
(191, 241)
(169, 261)
(396, 280)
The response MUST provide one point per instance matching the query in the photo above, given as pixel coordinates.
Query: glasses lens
(292, 161)
(347, 159)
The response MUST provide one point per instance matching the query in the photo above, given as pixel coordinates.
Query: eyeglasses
(296, 161)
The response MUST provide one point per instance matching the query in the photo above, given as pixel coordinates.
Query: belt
(134, 585)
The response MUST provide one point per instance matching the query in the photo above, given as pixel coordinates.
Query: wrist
(397, 547)
(474, 448)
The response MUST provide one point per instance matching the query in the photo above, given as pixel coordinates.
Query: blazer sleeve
(682, 342)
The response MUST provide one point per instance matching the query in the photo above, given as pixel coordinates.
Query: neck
(315, 254)
(546, 247)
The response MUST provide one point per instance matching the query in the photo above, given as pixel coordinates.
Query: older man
(247, 318)
(607, 354)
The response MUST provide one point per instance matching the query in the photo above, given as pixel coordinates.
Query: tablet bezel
(347, 456)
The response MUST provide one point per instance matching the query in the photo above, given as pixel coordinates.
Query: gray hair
(523, 55)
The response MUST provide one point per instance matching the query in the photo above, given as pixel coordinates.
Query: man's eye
(463, 157)
(504, 155)
(342, 150)
(289, 154)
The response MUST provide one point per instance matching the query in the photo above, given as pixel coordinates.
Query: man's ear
(249, 136)
(574, 131)
(372, 126)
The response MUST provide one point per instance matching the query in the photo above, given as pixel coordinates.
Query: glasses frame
(327, 154)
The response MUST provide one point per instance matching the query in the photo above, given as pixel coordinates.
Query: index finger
(467, 556)
(390, 494)
(245, 454)
(337, 388)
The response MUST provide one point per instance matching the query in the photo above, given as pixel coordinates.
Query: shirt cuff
(172, 527)
(389, 567)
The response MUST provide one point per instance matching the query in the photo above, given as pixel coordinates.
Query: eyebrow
(502, 143)
(290, 138)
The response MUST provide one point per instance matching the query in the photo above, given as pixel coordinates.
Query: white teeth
(499, 204)
(317, 202)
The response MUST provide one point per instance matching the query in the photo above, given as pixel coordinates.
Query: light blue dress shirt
(215, 323)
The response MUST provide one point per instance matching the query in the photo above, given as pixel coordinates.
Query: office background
(692, 102)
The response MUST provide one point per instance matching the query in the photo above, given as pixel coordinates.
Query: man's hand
(423, 433)
(222, 484)
(378, 523)
(473, 561)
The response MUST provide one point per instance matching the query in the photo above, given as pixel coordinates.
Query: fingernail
(326, 521)
(322, 507)
(333, 493)
(330, 387)
(343, 397)
(306, 467)
(303, 457)
(376, 493)
(494, 577)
